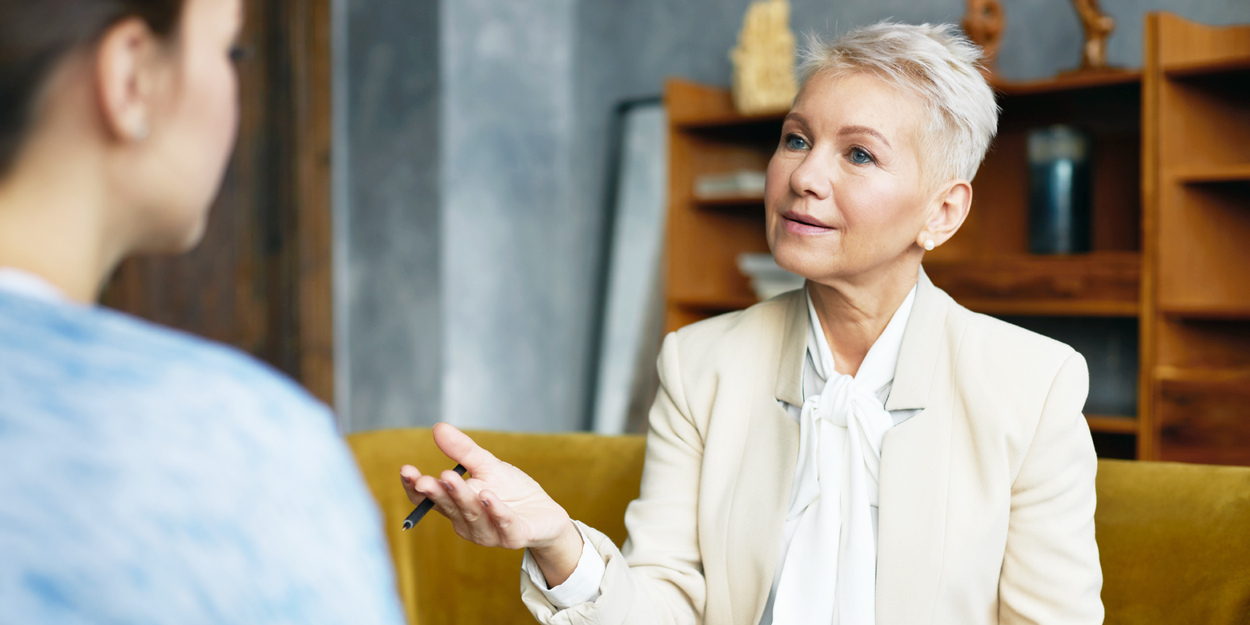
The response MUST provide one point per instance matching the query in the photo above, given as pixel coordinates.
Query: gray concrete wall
(388, 311)
(464, 269)
(517, 252)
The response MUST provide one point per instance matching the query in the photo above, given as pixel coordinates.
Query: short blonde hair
(938, 64)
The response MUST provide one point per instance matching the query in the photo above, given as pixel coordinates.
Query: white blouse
(877, 370)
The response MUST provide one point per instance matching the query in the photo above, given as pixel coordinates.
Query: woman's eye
(238, 54)
(860, 156)
(795, 142)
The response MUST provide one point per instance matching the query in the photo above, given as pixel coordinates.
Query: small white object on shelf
(767, 279)
(733, 184)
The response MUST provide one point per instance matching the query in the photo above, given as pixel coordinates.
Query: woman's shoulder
(123, 355)
(1014, 369)
(749, 333)
(1006, 341)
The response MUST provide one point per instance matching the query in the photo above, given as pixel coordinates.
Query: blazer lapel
(761, 495)
(915, 465)
(789, 387)
(913, 376)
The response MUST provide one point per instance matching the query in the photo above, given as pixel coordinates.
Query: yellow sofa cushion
(1174, 539)
(444, 580)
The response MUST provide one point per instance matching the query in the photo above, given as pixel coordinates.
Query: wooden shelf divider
(1205, 311)
(732, 201)
(1066, 83)
(1112, 424)
(1238, 172)
(1102, 284)
(1169, 373)
(1232, 63)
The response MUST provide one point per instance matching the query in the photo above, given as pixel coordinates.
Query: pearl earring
(928, 245)
(140, 131)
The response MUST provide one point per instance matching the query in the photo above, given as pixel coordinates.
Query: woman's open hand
(498, 506)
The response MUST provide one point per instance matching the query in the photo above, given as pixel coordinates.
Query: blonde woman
(863, 450)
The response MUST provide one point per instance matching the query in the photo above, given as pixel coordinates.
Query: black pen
(425, 506)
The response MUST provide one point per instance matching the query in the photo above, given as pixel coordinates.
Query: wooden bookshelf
(705, 237)
(1195, 332)
(1099, 284)
(1171, 221)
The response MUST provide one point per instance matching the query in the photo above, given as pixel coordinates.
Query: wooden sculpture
(1098, 27)
(763, 80)
(984, 24)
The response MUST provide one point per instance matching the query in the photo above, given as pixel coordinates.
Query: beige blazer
(986, 500)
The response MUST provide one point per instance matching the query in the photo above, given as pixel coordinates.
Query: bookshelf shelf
(1112, 424)
(738, 201)
(1214, 174)
(715, 304)
(1101, 284)
(1205, 311)
(1230, 65)
(1067, 83)
(1194, 375)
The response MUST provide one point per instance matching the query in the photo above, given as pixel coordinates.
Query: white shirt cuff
(581, 587)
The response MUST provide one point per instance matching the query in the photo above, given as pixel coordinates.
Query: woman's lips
(799, 223)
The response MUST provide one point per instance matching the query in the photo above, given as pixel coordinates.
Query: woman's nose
(811, 178)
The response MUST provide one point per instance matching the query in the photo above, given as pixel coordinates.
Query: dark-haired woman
(146, 476)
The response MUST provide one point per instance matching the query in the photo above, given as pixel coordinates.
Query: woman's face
(192, 128)
(844, 195)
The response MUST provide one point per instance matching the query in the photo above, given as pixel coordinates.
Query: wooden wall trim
(310, 52)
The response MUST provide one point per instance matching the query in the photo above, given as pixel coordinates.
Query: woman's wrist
(558, 559)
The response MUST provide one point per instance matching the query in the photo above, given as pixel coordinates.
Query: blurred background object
(1098, 26)
(632, 312)
(1059, 190)
(735, 184)
(984, 23)
(764, 80)
(414, 223)
(767, 279)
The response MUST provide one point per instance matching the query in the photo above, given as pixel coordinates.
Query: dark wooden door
(260, 280)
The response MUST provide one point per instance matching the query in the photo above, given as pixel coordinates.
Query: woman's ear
(125, 73)
(948, 212)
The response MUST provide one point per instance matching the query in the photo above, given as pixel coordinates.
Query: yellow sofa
(1174, 539)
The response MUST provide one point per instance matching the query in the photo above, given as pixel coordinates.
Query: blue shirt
(147, 477)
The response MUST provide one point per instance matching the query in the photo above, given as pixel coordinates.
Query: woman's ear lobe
(123, 77)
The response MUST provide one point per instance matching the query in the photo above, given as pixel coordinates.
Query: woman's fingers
(408, 475)
(503, 517)
(475, 524)
(457, 501)
(433, 488)
(459, 447)
(466, 500)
